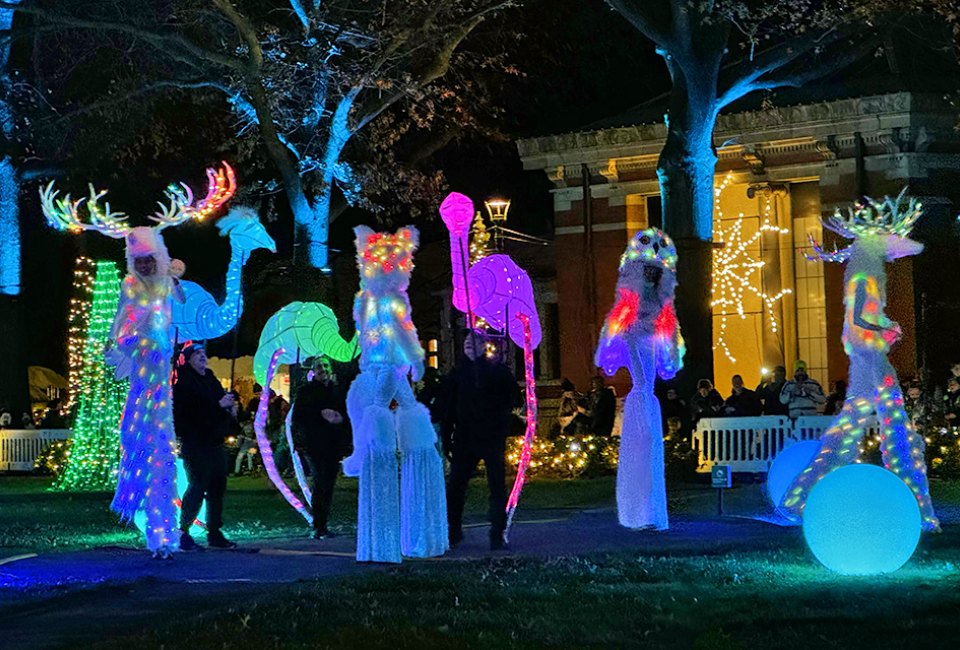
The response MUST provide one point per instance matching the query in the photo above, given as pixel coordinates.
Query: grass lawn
(33, 519)
(776, 599)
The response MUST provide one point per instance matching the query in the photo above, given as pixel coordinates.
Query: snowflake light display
(736, 273)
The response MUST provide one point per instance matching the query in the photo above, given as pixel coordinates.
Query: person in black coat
(601, 407)
(768, 390)
(321, 430)
(203, 414)
(480, 395)
(706, 402)
(742, 402)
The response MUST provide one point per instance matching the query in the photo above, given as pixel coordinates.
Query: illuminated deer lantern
(141, 346)
(880, 232)
(495, 289)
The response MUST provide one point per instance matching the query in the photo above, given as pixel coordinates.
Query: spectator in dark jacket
(706, 402)
(202, 417)
(321, 430)
(601, 407)
(836, 399)
(951, 402)
(428, 394)
(671, 406)
(480, 395)
(769, 392)
(742, 402)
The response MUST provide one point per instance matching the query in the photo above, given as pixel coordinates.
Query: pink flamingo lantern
(495, 289)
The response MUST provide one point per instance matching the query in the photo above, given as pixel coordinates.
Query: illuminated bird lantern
(500, 293)
(880, 232)
(141, 347)
(293, 334)
(641, 333)
(199, 316)
(401, 507)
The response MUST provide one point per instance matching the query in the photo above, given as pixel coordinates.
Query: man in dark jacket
(742, 402)
(320, 429)
(480, 395)
(601, 407)
(202, 417)
(769, 391)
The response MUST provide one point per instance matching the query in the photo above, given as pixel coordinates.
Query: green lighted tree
(95, 452)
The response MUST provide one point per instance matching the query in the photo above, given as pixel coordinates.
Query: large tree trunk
(685, 169)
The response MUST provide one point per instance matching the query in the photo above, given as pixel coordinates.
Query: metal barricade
(20, 447)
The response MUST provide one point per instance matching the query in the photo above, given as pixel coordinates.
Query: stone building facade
(784, 167)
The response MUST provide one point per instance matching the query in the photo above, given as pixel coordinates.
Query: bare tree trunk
(685, 170)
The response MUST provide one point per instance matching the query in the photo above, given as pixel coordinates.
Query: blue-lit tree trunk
(13, 372)
(694, 39)
(9, 180)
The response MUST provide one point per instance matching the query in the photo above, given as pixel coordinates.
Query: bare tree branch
(746, 76)
(173, 43)
(638, 13)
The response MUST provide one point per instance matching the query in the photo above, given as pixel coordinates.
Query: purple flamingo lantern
(495, 289)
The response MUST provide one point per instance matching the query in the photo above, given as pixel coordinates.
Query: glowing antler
(838, 254)
(221, 186)
(886, 217)
(64, 214)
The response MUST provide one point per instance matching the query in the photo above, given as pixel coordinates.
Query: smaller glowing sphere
(786, 467)
(861, 520)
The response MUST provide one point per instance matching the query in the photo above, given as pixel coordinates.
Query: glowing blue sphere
(861, 520)
(140, 519)
(786, 467)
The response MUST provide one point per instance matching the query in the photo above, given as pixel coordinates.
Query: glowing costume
(409, 516)
(879, 231)
(143, 349)
(641, 333)
(147, 479)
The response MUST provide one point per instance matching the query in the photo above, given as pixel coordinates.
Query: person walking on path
(320, 429)
(202, 416)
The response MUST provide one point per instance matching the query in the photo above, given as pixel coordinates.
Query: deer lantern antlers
(872, 218)
(65, 214)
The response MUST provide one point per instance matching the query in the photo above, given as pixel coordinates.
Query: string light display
(78, 323)
(879, 232)
(92, 460)
(479, 239)
(737, 274)
(566, 456)
(530, 396)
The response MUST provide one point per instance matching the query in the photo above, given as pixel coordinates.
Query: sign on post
(721, 476)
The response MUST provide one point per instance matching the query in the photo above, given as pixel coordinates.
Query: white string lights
(737, 274)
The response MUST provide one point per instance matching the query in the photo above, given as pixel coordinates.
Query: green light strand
(95, 453)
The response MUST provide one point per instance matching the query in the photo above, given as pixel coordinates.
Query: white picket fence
(20, 447)
(751, 444)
